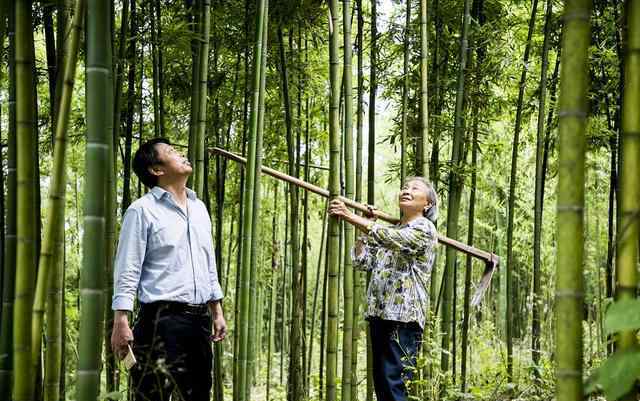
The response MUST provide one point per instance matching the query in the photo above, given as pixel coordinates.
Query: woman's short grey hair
(432, 212)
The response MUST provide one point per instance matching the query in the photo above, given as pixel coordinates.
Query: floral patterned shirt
(400, 260)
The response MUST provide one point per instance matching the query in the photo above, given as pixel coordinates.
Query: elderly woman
(399, 259)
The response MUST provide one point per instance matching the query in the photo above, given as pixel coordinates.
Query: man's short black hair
(147, 156)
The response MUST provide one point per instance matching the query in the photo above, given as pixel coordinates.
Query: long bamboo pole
(242, 379)
(349, 178)
(489, 258)
(10, 245)
(98, 79)
(573, 107)
(628, 230)
(333, 247)
(47, 260)
(26, 254)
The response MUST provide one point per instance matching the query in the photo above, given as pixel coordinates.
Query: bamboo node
(572, 113)
(570, 208)
(568, 373)
(583, 15)
(569, 294)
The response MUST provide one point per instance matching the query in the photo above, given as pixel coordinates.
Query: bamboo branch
(492, 260)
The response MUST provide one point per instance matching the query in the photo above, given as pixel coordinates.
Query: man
(165, 256)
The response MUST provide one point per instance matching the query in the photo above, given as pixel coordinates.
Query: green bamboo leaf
(617, 375)
(622, 315)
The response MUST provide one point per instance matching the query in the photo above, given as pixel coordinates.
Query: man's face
(172, 163)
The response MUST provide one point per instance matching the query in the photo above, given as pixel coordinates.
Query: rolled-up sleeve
(411, 239)
(129, 258)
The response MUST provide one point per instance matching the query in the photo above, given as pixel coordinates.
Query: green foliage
(617, 376)
(622, 315)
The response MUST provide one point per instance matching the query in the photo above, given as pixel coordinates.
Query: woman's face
(413, 197)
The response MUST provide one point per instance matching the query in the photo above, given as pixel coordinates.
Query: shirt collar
(160, 192)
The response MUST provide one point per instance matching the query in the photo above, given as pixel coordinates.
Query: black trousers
(173, 353)
(395, 347)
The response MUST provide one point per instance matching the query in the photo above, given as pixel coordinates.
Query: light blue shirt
(165, 254)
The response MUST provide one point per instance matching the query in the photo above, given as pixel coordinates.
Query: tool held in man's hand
(130, 359)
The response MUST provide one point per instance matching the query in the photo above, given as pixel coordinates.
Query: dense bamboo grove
(524, 115)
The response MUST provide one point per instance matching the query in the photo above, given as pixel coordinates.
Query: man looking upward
(165, 256)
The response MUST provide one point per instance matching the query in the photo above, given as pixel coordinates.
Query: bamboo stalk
(9, 271)
(333, 247)
(572, 116)
(98, 79)
(26, 254)
(487, 257)
(349, 178)
(52, 237)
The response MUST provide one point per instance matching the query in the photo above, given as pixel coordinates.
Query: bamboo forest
(522, 117)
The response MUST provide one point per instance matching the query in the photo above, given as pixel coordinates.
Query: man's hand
(219, 325)
(121, 334)
(219, 328)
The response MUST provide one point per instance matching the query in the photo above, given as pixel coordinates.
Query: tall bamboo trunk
(539, 201)
(628, 233)
(111, 199)
(119, 72)
(55, 216)
(275, 264)
(254, 338)
(347, 284)
(314, 308)
(54, 353)
(371, 145)
(240, 236)
(203, 59)
(295, 382)
(99, 82)
(434, 161)
(512, 296)
(10, 244)
(469, 263)
(161, 85)
(242, 379)
(26, 259)
(195, 20)
(424, 87)
(131, 96)
(155, 49)
(358, 279)
(572, 113)
(405, 93)
(63, 15)
(455, 192)
(52, 64)
(306, 245)
(333, 246)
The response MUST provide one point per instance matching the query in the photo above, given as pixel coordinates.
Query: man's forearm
(216, 308)
(120, 317)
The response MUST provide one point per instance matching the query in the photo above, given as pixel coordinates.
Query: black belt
(176, 307)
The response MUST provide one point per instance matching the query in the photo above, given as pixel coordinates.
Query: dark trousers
(173, 354)
(395, 346)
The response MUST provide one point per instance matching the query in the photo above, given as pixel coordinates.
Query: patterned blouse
(400, 259)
